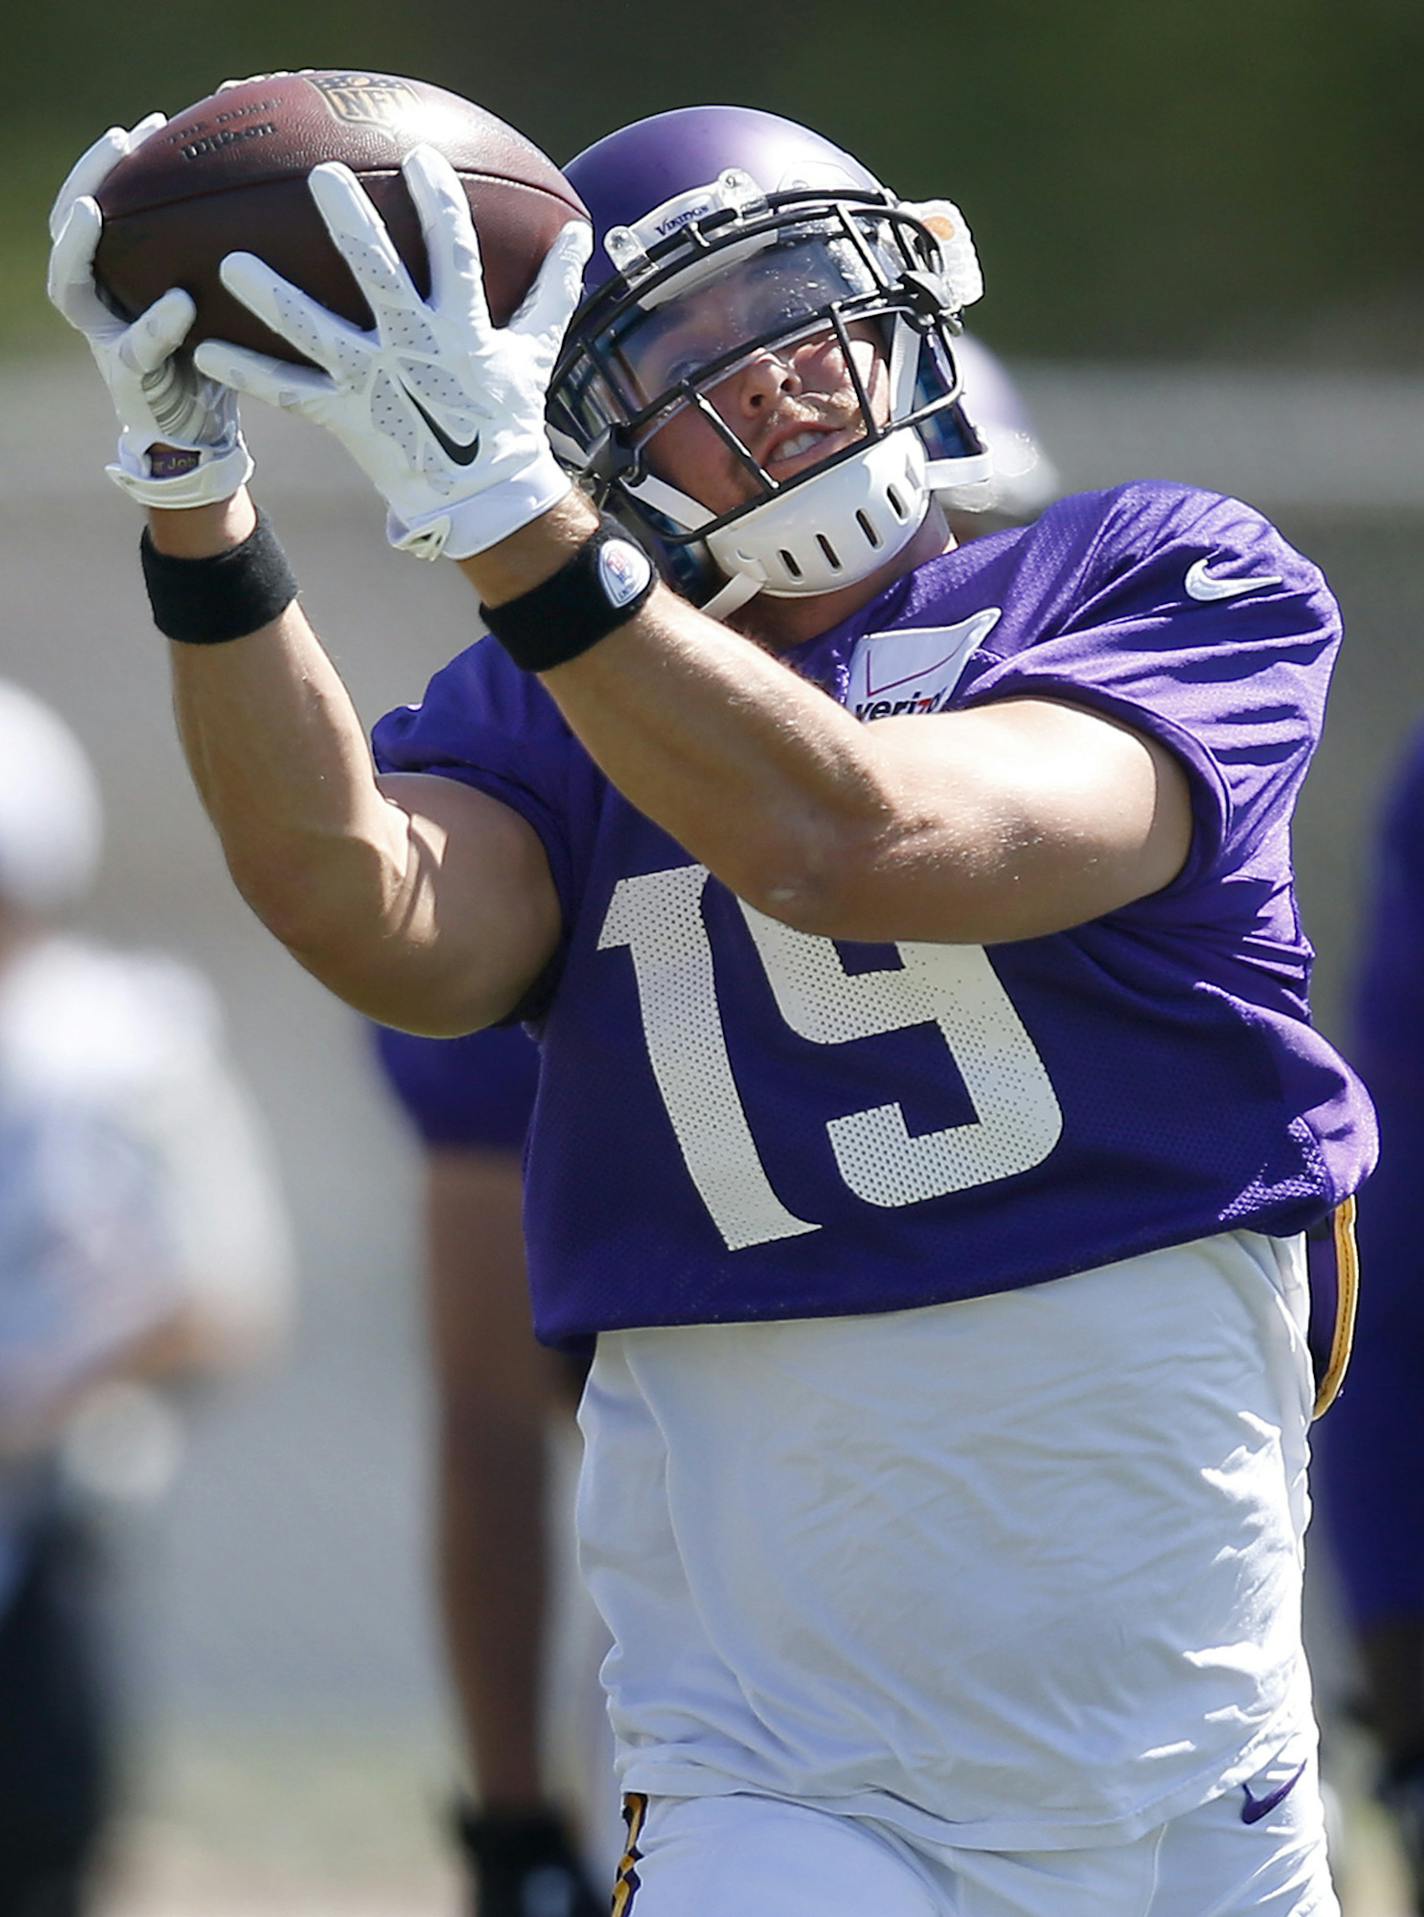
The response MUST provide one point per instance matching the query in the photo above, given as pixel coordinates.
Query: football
(230, 175)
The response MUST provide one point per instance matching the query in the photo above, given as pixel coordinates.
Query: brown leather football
(230, 175)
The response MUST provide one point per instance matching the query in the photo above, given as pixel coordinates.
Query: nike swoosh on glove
(443, 410)
(181, 444)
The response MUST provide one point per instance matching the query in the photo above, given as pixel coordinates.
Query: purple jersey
(1372, 1445)
(474, 1093)
(738, 1121)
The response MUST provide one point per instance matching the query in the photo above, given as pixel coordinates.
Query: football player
(1371, 1478)
(470, 1100)
(500, 1404)
(930, 1116)
(145, 1257)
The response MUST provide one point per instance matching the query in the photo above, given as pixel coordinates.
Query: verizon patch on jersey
(916, 669)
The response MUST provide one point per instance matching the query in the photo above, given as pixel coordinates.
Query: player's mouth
(790, 452)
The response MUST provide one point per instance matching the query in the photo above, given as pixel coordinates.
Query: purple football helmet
(721, 233)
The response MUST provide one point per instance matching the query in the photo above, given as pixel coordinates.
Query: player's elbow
(333, 919)
(878, 881)
(300, 902)
(806, 878)
(789, 901)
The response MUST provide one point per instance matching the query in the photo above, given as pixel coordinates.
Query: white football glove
(162, 402)
(442, 410)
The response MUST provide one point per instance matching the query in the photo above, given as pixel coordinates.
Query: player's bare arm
(905, 832)
(417, 900)
(1002, 822)
(424, 903)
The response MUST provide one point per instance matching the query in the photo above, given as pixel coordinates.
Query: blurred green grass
(28, 324)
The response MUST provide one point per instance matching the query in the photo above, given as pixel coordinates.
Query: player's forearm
(754, 770)
(750, 767)
(280, 761)
(1007, 821)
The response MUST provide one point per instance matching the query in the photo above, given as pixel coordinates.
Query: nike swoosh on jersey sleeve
(1203, 584)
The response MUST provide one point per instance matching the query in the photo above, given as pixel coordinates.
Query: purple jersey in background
(1372, 1446)
(737, 1121)
(473, 1093)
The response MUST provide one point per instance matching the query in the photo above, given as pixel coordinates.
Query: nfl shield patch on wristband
(624, 571)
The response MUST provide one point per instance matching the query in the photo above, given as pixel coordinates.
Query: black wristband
(599, 589)
(206, 602)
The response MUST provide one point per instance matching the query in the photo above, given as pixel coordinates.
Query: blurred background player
(1024, 478)
(143, 1249)
(1371, 1467)
(504, 1405)
(504, 1409)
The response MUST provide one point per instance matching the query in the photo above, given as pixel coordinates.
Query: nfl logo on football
(369, 98)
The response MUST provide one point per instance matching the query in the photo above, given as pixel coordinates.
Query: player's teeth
(790, 448)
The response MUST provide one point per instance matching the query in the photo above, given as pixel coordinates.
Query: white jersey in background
(135, 1183)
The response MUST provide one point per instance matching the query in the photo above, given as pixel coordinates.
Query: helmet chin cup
(834, 528)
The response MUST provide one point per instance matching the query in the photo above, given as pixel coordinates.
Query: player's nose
(766, 376)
